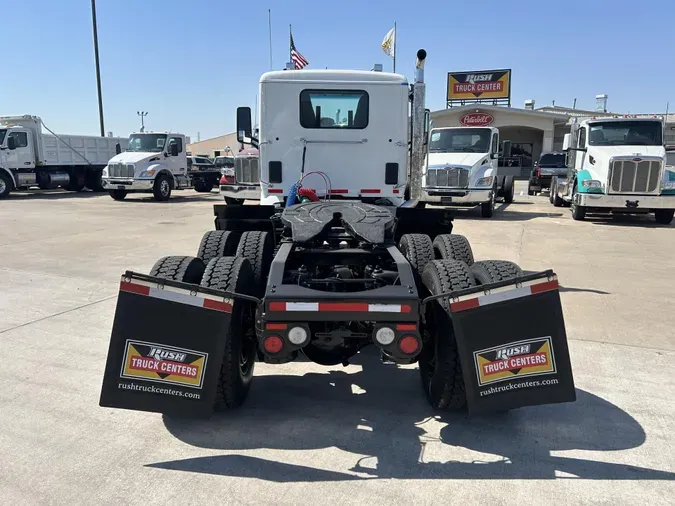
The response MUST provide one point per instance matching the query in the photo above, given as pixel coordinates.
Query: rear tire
(453, 247)
(118, 194)
(664, 216)
(76, 183)
(178, 268)
(491, 271)
(161, 189)
(233, 202)
(418, 250)
(92, 180)
(217, 243)
(508, 189)
(258, 248)
(236, 372)
(439, 362)
(203, 186)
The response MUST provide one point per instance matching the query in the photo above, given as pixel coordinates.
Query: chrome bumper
(235, 191)
(636, 202)
(118, 183)
(459, 196)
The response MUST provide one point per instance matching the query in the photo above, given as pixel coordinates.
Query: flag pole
(395, 37)
(290, 36)
(269, 22)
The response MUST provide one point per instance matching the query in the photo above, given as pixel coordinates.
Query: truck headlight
(148, 173)
(104, 172)
(485, 181)
(669, 185)
(591, 183)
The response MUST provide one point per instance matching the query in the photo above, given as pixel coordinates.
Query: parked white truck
(462, 169)
(155, 162)
(616, 165)
(29, 157)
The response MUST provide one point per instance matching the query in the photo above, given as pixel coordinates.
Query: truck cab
(617, 165)
(343, 134)
(462, 168)
(153, 162)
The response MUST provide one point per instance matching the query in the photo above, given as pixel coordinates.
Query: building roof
(495, 108)
(368, 76)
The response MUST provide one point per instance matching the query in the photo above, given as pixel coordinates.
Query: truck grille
(453, 177)
(247, 170)
(121, 170)
(634, 176)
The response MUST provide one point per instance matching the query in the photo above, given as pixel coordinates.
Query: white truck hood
(437, 160)
(133, 157)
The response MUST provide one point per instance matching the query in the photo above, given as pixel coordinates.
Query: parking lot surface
(308, 434)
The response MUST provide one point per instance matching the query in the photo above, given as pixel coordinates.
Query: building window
(346, 109)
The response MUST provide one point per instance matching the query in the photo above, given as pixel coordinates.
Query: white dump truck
(29, 157)
(462, 169)
(616, 165)
(155, 162)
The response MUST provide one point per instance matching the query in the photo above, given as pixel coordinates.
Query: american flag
(299, 61)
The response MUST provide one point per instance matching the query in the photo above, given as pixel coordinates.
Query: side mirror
(11, 143)
(118, 148)
(173, 149)
(506, 149)
(567, 141)
(494, 156)
(244, 125)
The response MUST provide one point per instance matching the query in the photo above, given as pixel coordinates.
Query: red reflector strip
(343, 306)
(218, 305)
(353, 307)
(544, 287)
(464, 304)
(370, 190)
(178, 295)
(276, 326)
(125, 286)
(406, 326)
(275, 190)
(503, 294)
(333, 191)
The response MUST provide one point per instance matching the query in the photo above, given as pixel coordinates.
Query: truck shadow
(625, 220)
(501, 214)
(383, 424)
(54, 195)
(143, 198)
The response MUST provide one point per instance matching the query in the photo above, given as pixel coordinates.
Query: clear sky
(191, 63)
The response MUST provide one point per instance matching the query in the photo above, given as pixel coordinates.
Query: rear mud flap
(512, 344)
(166, 347)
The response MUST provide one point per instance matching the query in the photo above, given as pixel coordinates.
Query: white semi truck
(29, 157)
(155, 162)
(462, 169)
(616, 165)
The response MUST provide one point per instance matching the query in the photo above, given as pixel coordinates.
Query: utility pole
(142, 114)
(98, 68)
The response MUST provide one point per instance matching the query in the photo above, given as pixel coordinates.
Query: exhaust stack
(417, 117)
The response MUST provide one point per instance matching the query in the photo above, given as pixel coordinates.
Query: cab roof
(364, 76)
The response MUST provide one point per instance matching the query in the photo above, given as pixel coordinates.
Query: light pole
(98, 68)
(142, 114)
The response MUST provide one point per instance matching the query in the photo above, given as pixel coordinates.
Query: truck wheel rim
(164, 187)
(3, 185)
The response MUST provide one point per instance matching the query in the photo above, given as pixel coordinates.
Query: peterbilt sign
(476, 119)
(479, 85)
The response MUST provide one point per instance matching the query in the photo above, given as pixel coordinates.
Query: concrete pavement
(308, 433)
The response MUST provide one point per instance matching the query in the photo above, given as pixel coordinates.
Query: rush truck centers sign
(479, 85)
(476, 119)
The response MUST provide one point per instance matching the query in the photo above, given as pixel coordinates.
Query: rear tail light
(537, 171)
(225, 179)
(409, 345)
(273, 344)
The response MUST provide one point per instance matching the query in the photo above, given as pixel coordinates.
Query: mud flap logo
(532, 357)
(163, 364)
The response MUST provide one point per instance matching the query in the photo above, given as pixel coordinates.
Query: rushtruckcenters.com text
(158, 390)
(515, 386)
